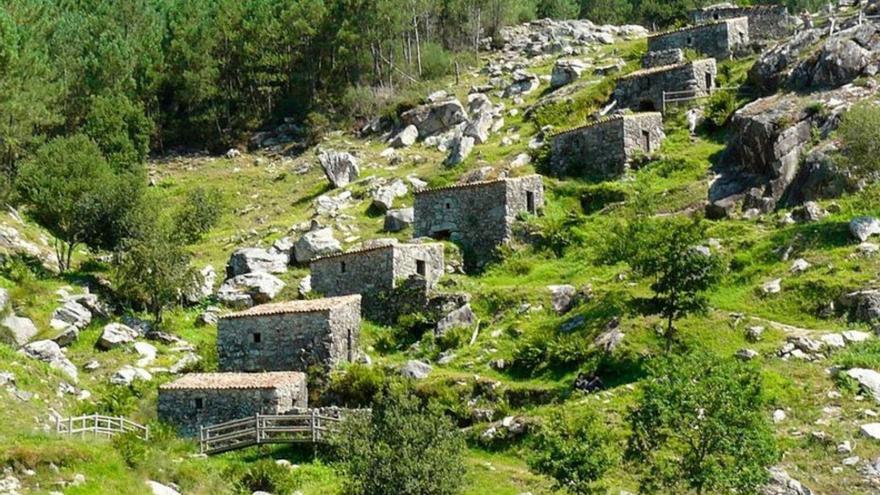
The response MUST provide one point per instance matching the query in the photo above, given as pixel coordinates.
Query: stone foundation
(643, 90)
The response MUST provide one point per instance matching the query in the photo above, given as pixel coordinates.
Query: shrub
(266, 476)
(575, 452)
(435, 61)
(720, 107)
(199, 213)
(860, 138)
(357, 385)
(403, 447)
(120, 128)
(699, 424)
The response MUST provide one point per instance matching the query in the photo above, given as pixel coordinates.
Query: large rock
(869, 380)
(461, 149)
(384, 196)
(839, 62)
(480, 127)
(71, 313)
(314, 244)
(461, 317)
(864, 305)
(864, 227)
(4, 299)
(405, 138)
(416, 370)
(341, 168)
(160, 489)
(128, 374)
(49, 352)
(566, 72)
(781, 483)
(249, 289)
(774, 66)
(116, 335)
(435, 117)
(21, 330)
(255, 260)
(204, 287)
(397, 220)
(561, 297)
(523, 84)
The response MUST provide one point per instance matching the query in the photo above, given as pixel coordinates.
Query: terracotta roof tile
(231, 381)
(301, 306)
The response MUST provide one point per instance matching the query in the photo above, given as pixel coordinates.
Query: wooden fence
(265, 429)
(675, 97)
(97, 424)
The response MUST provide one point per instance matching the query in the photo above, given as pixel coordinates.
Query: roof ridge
(294, 306)
(604, 120)
(695, 27)
(474, 184)
(356, 251)
(233, 380)
(662, 68)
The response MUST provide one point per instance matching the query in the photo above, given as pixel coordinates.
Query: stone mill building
(644, 89)
(290, 336)
(766, 22)
(478, 216)
(603, 148)
(374, 272)
(204, 399)
(718, 39)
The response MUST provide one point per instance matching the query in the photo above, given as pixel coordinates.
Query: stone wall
(720, 39)
(290, 341)
(477, 216)
(663, 57)
(377, 271)
(766, 22)
(644, 89)
(179, 407)
(603, 149)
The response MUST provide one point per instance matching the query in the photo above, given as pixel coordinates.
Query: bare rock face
(249, 290)
(566, 72)
(416, 370)
(71, 313)
(436, 117)
(774, 66)
(49, 352)
(21, 330)
(864, 227)
(314, 244)
(782, 484)
(255, 260)
(523, 84)
(397, 220)
(405, 138)
(461, 317)
(115, 335)
(384, 196)
(461, 149)
(341, 168)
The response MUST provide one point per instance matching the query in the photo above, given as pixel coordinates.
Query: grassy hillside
(267, 195)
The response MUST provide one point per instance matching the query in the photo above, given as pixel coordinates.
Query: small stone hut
(375, 272)
(643, 89)
(290, 336)
(603, 148)
(205, 399)
(478, 216)
(719, 39)
(766, 22)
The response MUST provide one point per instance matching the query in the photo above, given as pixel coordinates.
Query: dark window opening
(258, 337)
(442, 235)
(199, 403)
(530, 202)
(709, 81)
(647, 106)
(420, 267)
(448, 205)
(342, 267)
(646, 139)
(690, 40)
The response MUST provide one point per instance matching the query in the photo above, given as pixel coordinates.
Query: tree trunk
(418, 44)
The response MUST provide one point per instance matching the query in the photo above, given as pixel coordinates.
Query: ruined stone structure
(375, 272)
(719, 39)
(663, 57)
(478, 216)
(204, 399)
(290, 336)
(604, 148)
(643, 90)
(766, 22)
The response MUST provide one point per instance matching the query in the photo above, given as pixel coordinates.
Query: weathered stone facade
(604, 148)
(766, 22)
(290, 336)
(374, 272)
(719, 39)
(643, 90)
(205, 399)
(478, 216)
(664, 57)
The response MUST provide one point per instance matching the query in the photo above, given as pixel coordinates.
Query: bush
(402, 447)
(356, 386)
(860, 138)
(700, 424)
(575, 452)
(436, 62)
(720, 107)
(120, 128)
(199, 213)
(266, 476)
